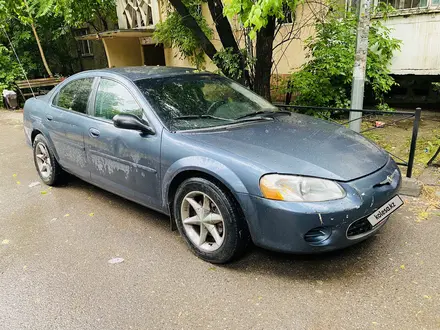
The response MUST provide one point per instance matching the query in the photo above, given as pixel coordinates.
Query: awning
(126, 33)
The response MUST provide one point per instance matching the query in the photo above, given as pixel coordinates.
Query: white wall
(420, 49)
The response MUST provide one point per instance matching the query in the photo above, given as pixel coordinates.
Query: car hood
(301, 145)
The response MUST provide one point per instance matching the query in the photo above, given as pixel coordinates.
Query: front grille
(359, 227)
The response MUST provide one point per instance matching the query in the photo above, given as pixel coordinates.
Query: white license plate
(385, 210)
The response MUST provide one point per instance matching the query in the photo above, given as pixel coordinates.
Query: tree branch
(191, 24)
(226, 35)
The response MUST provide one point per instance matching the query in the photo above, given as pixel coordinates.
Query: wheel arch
(205, 168)
(34, 134)
(38, 130)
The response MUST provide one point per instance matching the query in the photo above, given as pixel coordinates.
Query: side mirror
(126, 121)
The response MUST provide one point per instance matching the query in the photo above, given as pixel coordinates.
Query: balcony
(137, 14)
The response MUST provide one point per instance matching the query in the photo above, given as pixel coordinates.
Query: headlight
(292, 188)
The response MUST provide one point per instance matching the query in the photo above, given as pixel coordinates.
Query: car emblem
(389, 179)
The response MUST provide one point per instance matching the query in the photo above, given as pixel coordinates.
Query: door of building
(154, 54)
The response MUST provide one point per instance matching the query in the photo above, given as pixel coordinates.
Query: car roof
(148, 72)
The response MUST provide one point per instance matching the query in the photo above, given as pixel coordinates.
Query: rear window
(75, 95)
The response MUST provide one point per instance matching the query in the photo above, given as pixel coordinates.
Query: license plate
(385, 210)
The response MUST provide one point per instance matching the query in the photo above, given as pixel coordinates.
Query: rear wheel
(47, 166)
(210, 221)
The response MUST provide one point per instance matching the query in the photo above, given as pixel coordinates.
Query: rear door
(65, 122)
(123, 161)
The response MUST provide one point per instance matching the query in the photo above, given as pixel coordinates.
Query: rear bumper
(282, 226)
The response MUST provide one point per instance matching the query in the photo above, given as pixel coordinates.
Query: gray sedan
(226, 166)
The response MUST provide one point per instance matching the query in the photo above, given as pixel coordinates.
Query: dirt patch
(11, 117)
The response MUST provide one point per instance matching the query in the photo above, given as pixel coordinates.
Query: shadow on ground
(336, 264)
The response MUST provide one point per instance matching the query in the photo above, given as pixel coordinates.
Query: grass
(396, 138)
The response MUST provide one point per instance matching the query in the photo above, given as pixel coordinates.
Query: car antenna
(18, 59)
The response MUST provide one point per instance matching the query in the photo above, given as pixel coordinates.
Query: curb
(411, 187)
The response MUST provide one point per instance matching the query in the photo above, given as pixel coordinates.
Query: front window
(112, 99)
(200, 101)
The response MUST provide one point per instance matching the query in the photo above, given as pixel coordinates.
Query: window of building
(112, 98)
(75, 95)
(409, 4)
(85, 46)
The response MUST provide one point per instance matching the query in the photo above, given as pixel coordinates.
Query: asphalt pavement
(56, 244)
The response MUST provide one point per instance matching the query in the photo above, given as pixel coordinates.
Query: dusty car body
(249, 164)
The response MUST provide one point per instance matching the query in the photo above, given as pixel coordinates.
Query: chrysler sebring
(226, 166)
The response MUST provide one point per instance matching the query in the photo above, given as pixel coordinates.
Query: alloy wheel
(202, 221)
(43, 160)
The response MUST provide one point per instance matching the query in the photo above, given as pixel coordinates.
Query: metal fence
(402, 115)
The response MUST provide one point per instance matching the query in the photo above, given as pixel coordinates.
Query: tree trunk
(222, 25)
(226, 35)
(43, 57)
(103, 21)
(191, 23)
(264, 53)
(78, 51)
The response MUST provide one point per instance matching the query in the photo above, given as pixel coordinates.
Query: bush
(10, 70)
(325, 80)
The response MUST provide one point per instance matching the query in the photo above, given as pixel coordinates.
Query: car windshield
(202, 101)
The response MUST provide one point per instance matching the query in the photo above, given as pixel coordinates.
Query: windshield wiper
(264, 113)
(190, 117)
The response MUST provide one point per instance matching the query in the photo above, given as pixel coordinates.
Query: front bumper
(282, 226)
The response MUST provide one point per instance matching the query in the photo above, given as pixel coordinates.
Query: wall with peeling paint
(420, 49)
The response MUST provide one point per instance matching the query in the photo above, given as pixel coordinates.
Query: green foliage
(230, 62)
(9, 69)
(255, 14)
(53, 20)
(325, 80)
(78, 12)
(174, 34)
(14, 8)
(54, 36)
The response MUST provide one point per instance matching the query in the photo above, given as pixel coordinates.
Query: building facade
(131, 43)
(416, 22)
(416, 67)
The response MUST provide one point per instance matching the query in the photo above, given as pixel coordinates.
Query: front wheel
(210, 221)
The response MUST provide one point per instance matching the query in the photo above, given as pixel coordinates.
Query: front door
(65, 121)
(123, 161)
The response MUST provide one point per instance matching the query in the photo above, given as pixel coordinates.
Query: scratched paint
(320, 218)
(108, 166)
(73, 154)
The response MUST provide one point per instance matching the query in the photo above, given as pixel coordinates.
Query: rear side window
(75, 95)
(112, 98)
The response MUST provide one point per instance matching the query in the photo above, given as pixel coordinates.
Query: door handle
(94, 132)
(49, 117)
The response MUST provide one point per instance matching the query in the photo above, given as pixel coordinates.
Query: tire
(223, 226)
(51, 172)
